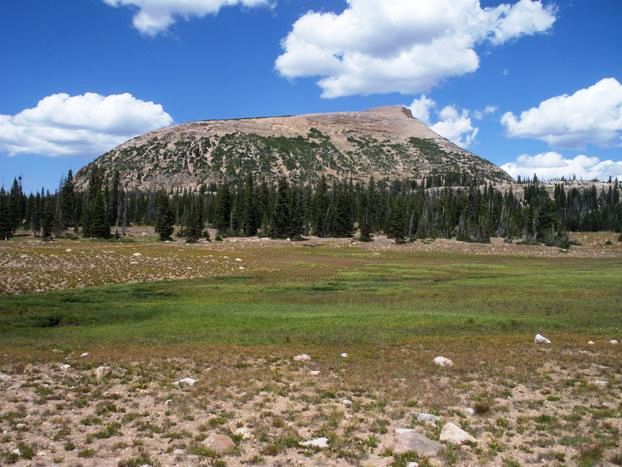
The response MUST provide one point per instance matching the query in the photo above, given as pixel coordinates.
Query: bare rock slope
(386, 142)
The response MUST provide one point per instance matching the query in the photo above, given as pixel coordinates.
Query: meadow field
(94, 335)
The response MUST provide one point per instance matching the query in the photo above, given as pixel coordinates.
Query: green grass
(392, 299)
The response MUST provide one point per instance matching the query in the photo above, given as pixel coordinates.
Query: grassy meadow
(330, 296)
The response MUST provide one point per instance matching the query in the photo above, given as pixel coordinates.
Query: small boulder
(302, 358)
(101, 372)
(314, 373)
(218, 443)
(468, 411)
(427, 418)
(84, 355)
(64, 366)
(540, 339)
(347, 403)
(442, 361)
(614, 342)
(453, 434)
(185, 382)
(318, 443)
(409, 440)
(344, 355)
(590, 342)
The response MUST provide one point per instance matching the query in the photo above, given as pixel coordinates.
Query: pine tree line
(404, 210)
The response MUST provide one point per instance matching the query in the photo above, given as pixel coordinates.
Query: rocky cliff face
(387, 143)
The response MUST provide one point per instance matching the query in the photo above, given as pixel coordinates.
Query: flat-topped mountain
(387, 142)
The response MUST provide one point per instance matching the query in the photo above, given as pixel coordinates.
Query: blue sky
(174, 65)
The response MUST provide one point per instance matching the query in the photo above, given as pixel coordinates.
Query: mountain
(387, 142)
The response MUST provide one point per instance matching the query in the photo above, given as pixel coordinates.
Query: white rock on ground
(137, 254)
(613, 342)
(347, 402)
(427, 418)
(4, 378)
(319, 443)
(314, 373)
(468, 411)
(412, 464)
(84, 355)
(453, 434)
(442, 361)
(64, 366)
(185, 381)
(219, 443)
(344, 355)
(302, 358)
(409, 440)
(590, 342)
(540, 339)
(101, 372)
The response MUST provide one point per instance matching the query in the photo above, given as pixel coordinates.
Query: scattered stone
(409, 440)
(64, 366)
(540, 339)
(17, 452)
(84, 355)
(101, 372)
(219, 443)
(68, 250)
(442, 361)
(427, 418)
(179, 452)
(590, 342)
(302, 358)
(453, 434)
(318, 443)
(238, 259)
(137, 254)
(168, 402)
(613, 342)
(599, 382)
(412, 464)
(344, 355)
(185, 381)
(314, 373)
(347, 402)
(4, 377)
(468, 411)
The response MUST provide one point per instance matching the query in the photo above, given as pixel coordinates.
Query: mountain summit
(386, 142)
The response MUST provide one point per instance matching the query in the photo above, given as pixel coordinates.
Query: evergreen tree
(364, 222)
(222, 219)
(296, 214)
(67, 203)
(280, 227)
(47, 220)
(165, 218)
(6, 217)
(397, 225)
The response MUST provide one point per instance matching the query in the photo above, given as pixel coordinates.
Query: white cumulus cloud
(84, 125)
(404, 46)
(453, 124)
(589, 116)
(554, 165)
(156, 16)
